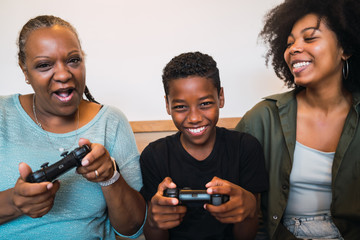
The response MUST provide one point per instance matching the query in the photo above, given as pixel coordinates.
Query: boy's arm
(163, 213)
(241, 209)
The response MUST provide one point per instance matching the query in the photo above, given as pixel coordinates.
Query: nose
(194, 116)
(62, 73)
(296, 47)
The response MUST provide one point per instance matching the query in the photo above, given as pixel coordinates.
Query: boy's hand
(242, 203)
(163, 212)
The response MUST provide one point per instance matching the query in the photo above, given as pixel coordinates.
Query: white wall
(128, 43)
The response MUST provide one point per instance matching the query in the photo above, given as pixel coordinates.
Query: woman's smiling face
(313, 53)
(55, 68)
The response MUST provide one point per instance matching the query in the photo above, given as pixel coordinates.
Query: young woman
(311, 135)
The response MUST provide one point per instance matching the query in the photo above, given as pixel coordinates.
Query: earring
(345, 70)
(27, 81)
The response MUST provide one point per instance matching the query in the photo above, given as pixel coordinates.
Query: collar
(282, 99)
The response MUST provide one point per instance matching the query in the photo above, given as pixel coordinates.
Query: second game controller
(50, 173)
(191, 196)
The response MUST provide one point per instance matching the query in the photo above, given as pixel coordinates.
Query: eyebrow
(202, 98)
(307, 29)
(72, 52)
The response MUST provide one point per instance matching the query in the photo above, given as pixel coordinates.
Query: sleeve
(124, 150)
(254, 177)
(151, 172)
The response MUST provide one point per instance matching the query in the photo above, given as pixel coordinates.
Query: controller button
(44, 165)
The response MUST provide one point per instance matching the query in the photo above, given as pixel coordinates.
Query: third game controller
(50, 173)
(191, 196)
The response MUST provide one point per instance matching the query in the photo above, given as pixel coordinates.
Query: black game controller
(195, 196)
(50, 173)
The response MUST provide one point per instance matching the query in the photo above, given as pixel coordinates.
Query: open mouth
(64, 95)
(300, 66)
(197, 131)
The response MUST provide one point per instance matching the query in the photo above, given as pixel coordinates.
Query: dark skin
(36, 199)
(194, 103)
(55, 69)
(164, 213)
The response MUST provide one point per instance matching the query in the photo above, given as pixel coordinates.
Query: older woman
(96, 202)
(311, 135)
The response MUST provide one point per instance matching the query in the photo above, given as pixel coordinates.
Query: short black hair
(340, 16)
(191, 64)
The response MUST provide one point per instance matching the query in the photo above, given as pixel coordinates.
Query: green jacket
(273, 123)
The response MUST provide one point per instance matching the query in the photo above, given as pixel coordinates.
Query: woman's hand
(97, 165)
(33, 199)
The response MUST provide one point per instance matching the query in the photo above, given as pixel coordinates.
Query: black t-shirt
(236, 157)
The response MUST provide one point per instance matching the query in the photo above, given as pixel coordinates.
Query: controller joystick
(50, 173)
(186, 196)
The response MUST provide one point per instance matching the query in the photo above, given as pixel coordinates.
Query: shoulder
(238, 137)
(161, 145)
(272, 102)
(113, 112)
(160, 148)
(111, 117)
(8, 100)
(268, 109)
(9, 104)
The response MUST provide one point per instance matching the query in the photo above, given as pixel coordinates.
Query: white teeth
(63, 94)
(300, 64)
(196, 130)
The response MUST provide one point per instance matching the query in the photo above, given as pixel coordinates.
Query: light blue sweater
(79, 211)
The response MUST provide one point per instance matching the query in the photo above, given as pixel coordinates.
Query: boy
(201, 156)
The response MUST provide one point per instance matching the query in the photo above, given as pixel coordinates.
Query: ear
(23, 69)
(221, 98)
(167, 105)
(345, 56)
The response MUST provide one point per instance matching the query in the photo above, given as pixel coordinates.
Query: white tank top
(310, 182)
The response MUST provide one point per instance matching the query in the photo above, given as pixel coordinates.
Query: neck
(326, 99)
(199, 151)
(52, 123)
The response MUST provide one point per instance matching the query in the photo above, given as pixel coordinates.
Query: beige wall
(129, 42)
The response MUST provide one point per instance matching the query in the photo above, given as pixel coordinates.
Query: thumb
(83, 141)
(215, 182)
(24, 170)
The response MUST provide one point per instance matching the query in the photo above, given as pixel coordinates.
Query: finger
(39, 210)
(169, 210)
(159, 199)
(225, 189)
(216, 182)
(24, 170)
(225, 209)
(102, 173)
(30, 189)
(165, 184)
(83, 141)
(23, 199)
(98, 151)
(165, 223)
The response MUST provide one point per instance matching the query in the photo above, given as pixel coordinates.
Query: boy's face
(194, 104)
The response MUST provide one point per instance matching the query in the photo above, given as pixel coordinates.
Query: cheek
(287, 57)
(177, 119)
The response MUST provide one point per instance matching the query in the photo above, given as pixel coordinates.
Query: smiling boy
(201, 156)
